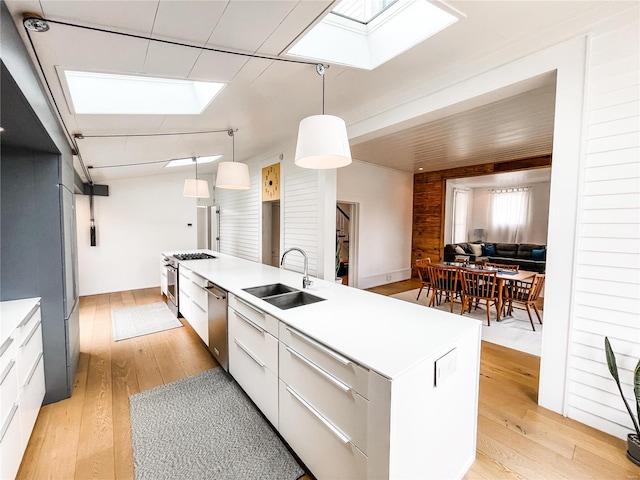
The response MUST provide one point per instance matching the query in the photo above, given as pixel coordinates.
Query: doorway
(346, 243)
(271, 233)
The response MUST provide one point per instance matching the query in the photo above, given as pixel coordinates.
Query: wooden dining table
(501, 275)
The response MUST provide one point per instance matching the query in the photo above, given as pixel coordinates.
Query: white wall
(385, 203)
(140, 218)
(539, 213)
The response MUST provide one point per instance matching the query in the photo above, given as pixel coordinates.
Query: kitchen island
(359, 384)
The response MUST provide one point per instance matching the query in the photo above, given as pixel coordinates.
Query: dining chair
(444, 280)
(503, 266)
(525, 293)
(422, 266)
(480, 285)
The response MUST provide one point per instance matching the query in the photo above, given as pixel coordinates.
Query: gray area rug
(142, 320)
(205, 427)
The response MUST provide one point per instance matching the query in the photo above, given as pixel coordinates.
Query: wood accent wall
(429, 201)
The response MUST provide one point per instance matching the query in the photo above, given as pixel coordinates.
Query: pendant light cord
(323, 94)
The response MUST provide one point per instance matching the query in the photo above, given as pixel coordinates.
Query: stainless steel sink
(283, 296)
(292, 299)
(270, 290)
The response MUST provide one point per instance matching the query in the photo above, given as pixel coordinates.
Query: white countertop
(12, 312)
(382, 333)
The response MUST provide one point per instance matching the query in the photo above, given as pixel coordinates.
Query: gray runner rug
(205, 427)
(142, 320)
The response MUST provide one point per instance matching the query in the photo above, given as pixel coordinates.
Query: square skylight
(394, 29)
(189, 161)
(106, 93)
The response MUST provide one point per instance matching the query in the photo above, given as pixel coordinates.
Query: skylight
(189, 161)
(105, 93)
(363, 11)
(393, 28)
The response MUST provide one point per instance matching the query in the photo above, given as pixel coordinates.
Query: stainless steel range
(171, 264)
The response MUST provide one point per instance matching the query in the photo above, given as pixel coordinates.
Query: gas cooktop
(192, 256)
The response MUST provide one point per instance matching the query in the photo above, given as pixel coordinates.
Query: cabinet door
(318, 443)
(199, 321)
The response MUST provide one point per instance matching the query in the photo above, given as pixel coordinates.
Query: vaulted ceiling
(265, 99)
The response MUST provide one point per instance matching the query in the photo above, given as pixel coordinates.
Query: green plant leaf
(611, 361)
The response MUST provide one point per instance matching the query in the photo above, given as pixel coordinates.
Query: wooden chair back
(480, 284)
(502, 266)
(444, 278)
(422, 266)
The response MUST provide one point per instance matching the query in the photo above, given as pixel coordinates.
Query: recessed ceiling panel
(201, 17)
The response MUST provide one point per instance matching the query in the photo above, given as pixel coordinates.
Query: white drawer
(184, 303)
(7, 352)
(315, 441)
(262, 345)
(199, 321)
(28, 351)
(334, 400)
(199, 295)
(257, 316)
(260, 383)
(339, 366)
(9, 387)
(198, 280)
(26, 325)
(10, 441)
(31, 397)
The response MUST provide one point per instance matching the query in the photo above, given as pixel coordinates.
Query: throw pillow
(460, 250)
(488, 250)
(477, 248)
(539, 254)
(467, 249)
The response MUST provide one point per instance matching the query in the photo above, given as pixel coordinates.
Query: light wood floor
(88, 435)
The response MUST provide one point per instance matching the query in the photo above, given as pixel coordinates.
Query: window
(460, 215)
(509, 214)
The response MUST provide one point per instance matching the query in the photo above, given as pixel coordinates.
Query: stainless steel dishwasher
(218, 341)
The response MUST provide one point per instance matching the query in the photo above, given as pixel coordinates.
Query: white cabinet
(184, 292)
(22, 385)
(199, 307)
(323, 396)
(253, 355)
(164, 280)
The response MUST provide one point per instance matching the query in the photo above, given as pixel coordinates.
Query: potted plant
(633, 439)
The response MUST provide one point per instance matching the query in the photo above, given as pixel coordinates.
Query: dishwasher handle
(213, 290)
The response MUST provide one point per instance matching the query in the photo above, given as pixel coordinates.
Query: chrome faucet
(305, 280)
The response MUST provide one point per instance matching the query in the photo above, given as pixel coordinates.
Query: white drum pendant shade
(322, 143)
(196, 188)
(233, 176)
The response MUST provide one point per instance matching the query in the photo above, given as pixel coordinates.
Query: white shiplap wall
(240, 219)
(301, 218)
(607, 291)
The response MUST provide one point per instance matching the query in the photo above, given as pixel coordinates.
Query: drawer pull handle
(29, 315)
(33, 370)
(341, 436)
(6, 371)
(319, 346)
(251, 355)
(7, 422)
(203, 310)
(259, 312)
(184, 294)
(5, 345)
(342, 386)
(31, 334)
(251, 323)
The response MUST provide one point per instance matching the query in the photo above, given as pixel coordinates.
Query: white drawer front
(342, 368)
(199, 295)
(7, 352)
(31, 398)
(256, 380)
(264, 320)
(10, 441)
(198, 280)
(9, 387)
(28, 352)
(332, 398)
(256, 339)
(199, 322)
(316, 442)
(185, 304)
(26, 326)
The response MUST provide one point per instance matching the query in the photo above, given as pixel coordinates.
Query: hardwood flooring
(88, 435)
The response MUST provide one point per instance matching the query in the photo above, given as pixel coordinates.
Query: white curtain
(460, 215)
(509, 214)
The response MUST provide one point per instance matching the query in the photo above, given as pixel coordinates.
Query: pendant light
(322, 139)
(196, 188)
(233, 175)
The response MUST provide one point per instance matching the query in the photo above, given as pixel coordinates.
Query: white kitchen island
(361, 385)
